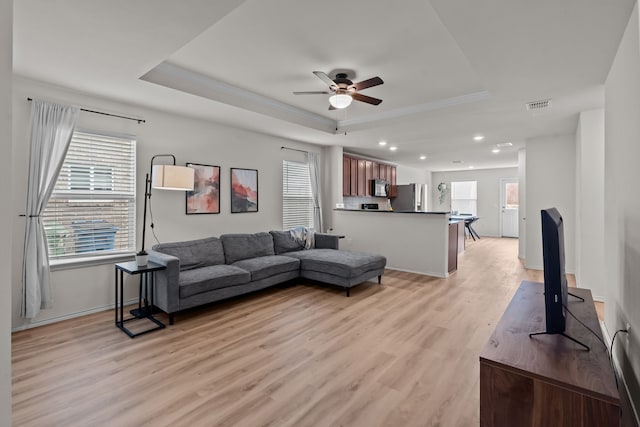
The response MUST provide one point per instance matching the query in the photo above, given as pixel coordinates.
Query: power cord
(613, 340)
(153, 231)
(588, 328)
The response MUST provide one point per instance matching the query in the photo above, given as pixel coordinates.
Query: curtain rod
(107, 114)
(293, 149)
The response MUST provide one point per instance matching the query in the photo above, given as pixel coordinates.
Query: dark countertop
(388, 211)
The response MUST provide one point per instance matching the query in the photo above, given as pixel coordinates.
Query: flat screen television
(555, 279)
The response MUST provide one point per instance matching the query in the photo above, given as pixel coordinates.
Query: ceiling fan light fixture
(340, 100)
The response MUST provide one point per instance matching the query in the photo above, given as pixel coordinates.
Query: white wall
(332, 183)
(522, 214)
(87, 289)
(6, 211)
(590, 203)
(409, 175)
(551, 176)
(488, 195)
(622, 216)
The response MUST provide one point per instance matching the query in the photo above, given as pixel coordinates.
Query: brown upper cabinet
(368, 175)
(346, 176)
(354, 177)
(384, 172)
(357, 174)
(361, 189)
(393, 189)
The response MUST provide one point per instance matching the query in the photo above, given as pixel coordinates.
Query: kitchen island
(416, 242)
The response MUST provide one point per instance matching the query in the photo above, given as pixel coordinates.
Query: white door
(509, 206)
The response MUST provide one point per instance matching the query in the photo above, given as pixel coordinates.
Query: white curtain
(52, 126)
(314, 175)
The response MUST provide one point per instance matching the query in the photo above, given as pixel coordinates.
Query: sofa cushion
(209, 278)
(267, 266)
(194, 253)
(283, 242)
(244, 246)
(340, 263)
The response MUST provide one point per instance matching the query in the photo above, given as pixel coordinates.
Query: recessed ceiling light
(504, 144)
(478, 138)
(393, 148)
(382, 143)
(470, 167)
(423, 157)
(495, 150)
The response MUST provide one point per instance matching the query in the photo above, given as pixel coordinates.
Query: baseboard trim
(57, 319)
(616, 367)
(418, 272)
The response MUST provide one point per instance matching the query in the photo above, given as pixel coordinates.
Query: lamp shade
(172, 177)
(340, 100)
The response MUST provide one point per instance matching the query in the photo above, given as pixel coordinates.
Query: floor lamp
(163, 177)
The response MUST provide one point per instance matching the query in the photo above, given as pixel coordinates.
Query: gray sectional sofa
(207, 270)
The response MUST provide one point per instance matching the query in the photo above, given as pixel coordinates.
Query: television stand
(586, 347)
(546, 381)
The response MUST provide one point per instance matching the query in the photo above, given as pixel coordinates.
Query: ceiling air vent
(538, 105)
(458, 162)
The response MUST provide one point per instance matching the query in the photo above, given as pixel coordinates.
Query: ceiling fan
(343, 90)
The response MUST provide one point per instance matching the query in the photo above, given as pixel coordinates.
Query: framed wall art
(205, 197)
(244, 190)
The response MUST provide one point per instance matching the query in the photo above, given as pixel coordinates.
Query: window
(297, 202)
(511, 195)
(92, 208)
(464, 197)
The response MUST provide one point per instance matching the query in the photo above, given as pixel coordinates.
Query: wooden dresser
(546, 380)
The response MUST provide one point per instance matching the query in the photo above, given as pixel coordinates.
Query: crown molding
(176, 77)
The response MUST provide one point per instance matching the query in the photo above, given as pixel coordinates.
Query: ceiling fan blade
(374, 81)
(325, 78)
(317, 92)
(365, 98)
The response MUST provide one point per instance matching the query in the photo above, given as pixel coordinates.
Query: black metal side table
(147, 274)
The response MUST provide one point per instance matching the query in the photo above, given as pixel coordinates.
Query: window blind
(92, 208)
(297, 201)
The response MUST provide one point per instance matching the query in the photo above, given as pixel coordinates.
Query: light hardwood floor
(404, 353)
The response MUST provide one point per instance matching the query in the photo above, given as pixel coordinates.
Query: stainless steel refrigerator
(410, 197)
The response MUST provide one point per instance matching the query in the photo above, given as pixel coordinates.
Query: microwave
(379, 188)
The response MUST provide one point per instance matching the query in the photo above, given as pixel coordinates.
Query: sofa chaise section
(341, 268)
(325, 263)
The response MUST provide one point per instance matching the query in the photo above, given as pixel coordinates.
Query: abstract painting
(205, 197)
(244, 190)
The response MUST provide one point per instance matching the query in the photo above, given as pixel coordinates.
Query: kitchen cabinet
(354, 176)
(368, 175)
(346, 176)
(357, 174)
(362, 178)
(349, 176)
(452, 261)
(392, 182)
(385, 172)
